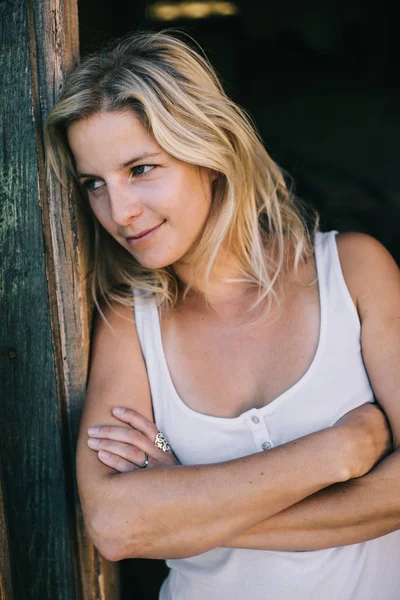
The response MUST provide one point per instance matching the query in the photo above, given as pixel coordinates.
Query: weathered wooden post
(5, 569)
(45, 318)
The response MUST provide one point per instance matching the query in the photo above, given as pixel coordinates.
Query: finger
(125, 451)
(136, 420)
(127, 435)
(116, 462)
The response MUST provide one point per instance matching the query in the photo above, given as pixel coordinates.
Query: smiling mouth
(144, 233)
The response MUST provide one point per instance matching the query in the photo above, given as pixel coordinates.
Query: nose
(124, 204)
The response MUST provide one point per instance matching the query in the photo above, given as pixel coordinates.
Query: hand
(367, 438)
(125, 448)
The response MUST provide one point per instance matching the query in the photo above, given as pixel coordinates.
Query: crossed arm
(367, 507)
(166, 511)
(347, 513)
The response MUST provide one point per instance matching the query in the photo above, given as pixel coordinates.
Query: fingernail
(104, 454)
(92, 430)
(92, 442)
(118, 410)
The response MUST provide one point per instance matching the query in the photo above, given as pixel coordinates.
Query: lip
(143, 235)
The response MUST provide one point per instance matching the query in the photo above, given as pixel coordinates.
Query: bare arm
(181, 511)
(367, 507)
(346, 513)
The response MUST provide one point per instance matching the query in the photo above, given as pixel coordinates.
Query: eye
(92, 184)
(141, 170)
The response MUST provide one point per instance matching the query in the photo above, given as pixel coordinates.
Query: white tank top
(335, 383)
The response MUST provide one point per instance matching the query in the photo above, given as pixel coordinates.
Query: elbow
(112, 541)
(110, 552)
(117, 543)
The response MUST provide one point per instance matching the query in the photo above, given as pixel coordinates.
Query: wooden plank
(32, 452)
(54, 51)
(6, 592)
(45, 317)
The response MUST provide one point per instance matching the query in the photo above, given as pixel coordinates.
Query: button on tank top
(334, 383)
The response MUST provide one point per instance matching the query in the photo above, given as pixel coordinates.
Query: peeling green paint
(31, 451)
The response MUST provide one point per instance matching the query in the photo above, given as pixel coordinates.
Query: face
(153, 204)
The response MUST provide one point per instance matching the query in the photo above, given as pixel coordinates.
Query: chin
(154, 262)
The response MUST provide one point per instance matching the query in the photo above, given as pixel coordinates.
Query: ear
(213, 175)
(209, 174)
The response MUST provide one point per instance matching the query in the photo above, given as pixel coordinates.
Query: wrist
(338, 444)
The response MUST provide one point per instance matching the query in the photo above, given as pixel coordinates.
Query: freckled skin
(171, 192)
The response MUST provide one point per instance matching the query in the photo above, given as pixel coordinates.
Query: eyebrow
(125, 164)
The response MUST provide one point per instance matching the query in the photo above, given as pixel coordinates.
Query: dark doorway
(319, 79)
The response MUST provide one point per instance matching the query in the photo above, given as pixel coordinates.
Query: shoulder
(114, 318)
(113, 329)
(373, 279)
(361, 245)
(370, 272)
(117, 368)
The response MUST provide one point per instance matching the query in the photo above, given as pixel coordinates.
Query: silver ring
(146, 461)
(162, 442)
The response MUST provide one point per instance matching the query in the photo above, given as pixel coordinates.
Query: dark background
(321, 80)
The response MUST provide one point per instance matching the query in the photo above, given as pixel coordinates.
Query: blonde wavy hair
(176, 94)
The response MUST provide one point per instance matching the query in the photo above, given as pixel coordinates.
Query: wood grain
(46, 320)
(31, 449)
(6, 592)
(68, 270)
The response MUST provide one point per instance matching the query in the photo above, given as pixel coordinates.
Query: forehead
(108, 139)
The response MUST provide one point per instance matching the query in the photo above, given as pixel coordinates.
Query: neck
(224, 289)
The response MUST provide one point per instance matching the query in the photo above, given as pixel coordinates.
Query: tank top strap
(147, 323)
(332, 284)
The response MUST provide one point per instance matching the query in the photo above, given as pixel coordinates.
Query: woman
(254, 349)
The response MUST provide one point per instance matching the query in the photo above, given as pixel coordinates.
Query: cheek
(196, 202)
(101, 212)
(202, 207)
